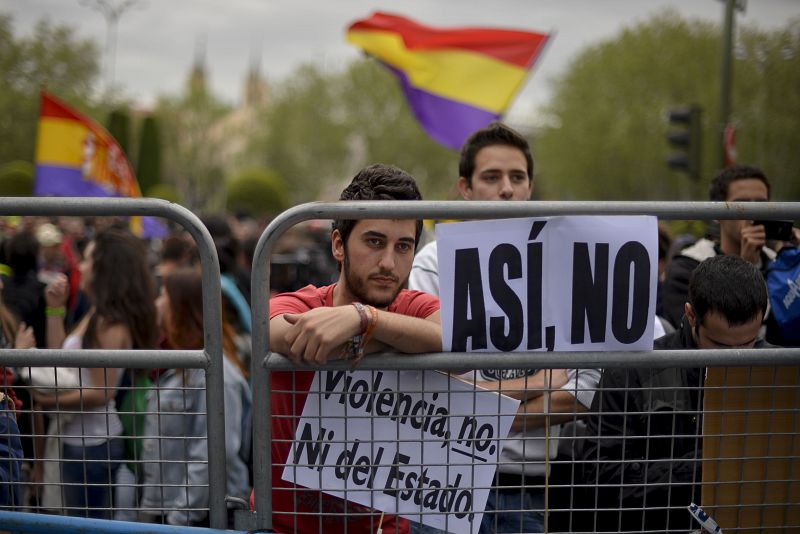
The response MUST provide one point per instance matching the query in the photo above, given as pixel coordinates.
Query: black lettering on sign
(469, 308)
(630, 254)
(505, 255)
(589, 293)
(534, 295)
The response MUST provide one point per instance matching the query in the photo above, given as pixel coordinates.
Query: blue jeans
(518, 511)
(10, 460)
(514, 510)
(94, 469)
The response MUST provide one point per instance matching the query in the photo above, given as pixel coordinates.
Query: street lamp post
(111, 11)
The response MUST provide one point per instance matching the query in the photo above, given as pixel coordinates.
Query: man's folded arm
(322, 333)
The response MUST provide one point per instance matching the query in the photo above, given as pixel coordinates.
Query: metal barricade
(209, 359)
(271, 362)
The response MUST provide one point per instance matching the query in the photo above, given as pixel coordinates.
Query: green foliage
(119, 126)
(163, 191)
(257, 192)
(766, 105)
(190, 149)
(606, 138)
(16, 179)
(52, 56)
(148, 164)
(322, 127)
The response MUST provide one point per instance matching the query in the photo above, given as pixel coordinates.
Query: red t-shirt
(289, 391)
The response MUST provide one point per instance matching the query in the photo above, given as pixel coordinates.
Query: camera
(778, 230)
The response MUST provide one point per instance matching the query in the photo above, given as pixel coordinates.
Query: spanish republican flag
(77, 157)
(456, 80)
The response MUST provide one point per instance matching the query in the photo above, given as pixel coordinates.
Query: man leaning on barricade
(366, 310)
(643, 449)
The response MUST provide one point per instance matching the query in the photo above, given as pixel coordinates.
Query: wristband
(55, 311)
(362, 315)
(373, 322)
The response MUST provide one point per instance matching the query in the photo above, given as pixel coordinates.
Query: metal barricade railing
(262, 367)
(209, 359)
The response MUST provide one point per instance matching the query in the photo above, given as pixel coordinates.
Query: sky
(158, 40)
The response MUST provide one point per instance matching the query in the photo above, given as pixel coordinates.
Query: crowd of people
(131, 444)
(115, 443)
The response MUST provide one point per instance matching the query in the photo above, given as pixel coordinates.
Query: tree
(119, 126)
(766, 105)
(324, 126)
(608, 138)
(191, 159)
(52, 56)
(164, 191)
(257, 192)
(16, 179)
(148, 164)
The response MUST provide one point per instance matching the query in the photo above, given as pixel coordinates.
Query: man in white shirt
(496, 164)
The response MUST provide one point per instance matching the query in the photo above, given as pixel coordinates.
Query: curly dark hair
(378, 182)
(122, 288)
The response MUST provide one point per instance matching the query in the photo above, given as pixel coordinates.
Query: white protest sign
(552, 283)
(407, 443)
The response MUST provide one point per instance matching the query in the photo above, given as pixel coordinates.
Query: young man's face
(714, 331)
(744, 190)
(376, 260)
(501, 173)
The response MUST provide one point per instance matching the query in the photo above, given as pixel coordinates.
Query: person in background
(18, 336)
(643, 442)
(23, 293)
(56, 256)
(235, 285)
(496, 164)
(175, 448)
(119, 285)
(737, 237)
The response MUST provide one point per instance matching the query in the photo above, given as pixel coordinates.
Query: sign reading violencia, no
(419, 444)
(569, 283)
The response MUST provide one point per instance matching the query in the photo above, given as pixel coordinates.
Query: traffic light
(686, 138)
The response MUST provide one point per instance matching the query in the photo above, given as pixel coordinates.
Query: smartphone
(778, 230)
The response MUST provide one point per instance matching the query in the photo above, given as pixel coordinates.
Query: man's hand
(753, 238)
(320, 334)
(527, 387)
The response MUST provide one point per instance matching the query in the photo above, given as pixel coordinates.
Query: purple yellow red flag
(456, 80)
(77, 157)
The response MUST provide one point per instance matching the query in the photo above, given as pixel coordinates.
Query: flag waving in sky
(77, 157)
(456, 80)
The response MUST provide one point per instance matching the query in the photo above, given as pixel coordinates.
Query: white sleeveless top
(91, 426)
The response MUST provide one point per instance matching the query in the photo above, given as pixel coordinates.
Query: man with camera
(739, 237)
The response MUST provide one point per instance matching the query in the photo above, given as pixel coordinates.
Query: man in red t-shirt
(366, 310)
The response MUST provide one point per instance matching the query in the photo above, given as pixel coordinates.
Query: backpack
(783, 285)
